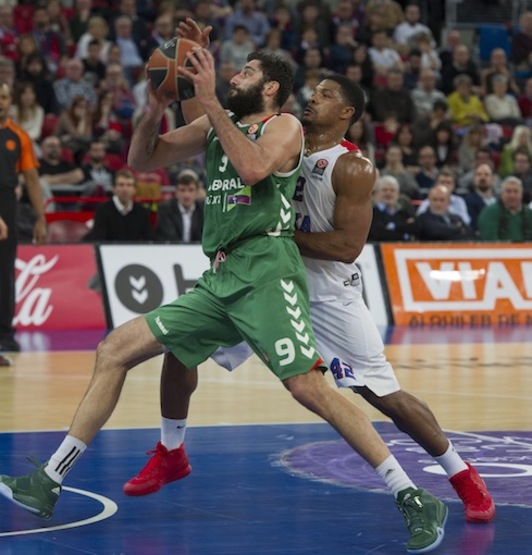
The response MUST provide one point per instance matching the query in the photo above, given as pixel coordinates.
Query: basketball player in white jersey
(334, 211)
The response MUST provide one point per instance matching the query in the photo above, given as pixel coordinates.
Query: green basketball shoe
(35, 492)
(425, 518)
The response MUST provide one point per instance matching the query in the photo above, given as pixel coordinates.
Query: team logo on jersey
(319, 166)
(252, 131)
(240, 197)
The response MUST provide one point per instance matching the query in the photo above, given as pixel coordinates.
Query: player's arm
(353, 179)
(3, 229)
(149, 150)
(278, 149)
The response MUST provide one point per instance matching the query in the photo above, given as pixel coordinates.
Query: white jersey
(314, 203)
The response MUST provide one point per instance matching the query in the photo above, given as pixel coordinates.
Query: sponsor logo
(161, 326)
(225, 184)
(319, 166)
(138, 288)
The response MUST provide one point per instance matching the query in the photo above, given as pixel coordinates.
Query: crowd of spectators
(434, 111)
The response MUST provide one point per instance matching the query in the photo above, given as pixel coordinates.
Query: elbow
(250, 177)
(135, 164)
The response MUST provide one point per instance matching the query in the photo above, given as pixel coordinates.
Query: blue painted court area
(283, 489)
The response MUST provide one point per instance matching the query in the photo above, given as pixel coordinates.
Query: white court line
(109, 509)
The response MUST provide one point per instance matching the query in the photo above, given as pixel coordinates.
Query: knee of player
(307, 388)
(108, 354)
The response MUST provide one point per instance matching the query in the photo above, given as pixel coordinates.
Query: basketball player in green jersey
(254, 290)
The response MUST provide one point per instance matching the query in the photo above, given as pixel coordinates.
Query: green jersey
(235, 211)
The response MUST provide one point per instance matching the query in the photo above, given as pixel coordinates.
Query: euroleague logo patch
(252, 131)
(319, 166)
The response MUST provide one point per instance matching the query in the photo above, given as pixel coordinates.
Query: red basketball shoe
(470, 487)
(162, 468)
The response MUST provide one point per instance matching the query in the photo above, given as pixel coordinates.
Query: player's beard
(245, 103)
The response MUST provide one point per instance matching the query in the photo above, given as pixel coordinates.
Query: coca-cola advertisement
(56, 288)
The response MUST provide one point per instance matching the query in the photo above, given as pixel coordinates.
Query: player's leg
(169, 461)
(360, 363)
(124, 348)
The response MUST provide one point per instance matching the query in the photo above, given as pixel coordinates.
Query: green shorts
(259, 294)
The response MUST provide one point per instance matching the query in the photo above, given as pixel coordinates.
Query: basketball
(162, 69)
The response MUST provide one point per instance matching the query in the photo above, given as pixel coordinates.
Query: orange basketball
(162, 69)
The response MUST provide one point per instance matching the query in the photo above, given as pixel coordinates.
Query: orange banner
(458, 285)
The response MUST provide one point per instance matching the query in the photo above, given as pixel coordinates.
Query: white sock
(64, 458)
(451, 461)
(394, 476)
(173, 432)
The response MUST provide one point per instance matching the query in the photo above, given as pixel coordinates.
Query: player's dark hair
(352, 93)
(275, 68)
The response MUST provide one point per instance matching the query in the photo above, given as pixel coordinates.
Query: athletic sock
(394, 476)
(451, 461)
(173, 432)
(64, 458)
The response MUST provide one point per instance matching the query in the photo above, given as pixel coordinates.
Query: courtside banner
(139, 278)
(57, 288)
(458, 285)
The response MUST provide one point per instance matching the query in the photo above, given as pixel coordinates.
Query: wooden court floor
(263, 479)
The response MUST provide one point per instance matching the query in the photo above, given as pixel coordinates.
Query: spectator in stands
(444, 145)
(225, 73)
(484, 156)
(482, 195)
(472, 141)
(501, 107)
(412, 69)
(466, 107)
(521, 139)
(394, 166)
(282, 20)
(508, 219)
(236, 49)
(26, 46)
(389, 10)
(429, 55)
(312, 15)
(424, 126)
(121, 219)
(408, 30)
(522, 162)
(93, 67)
(246, 14)
(525, 102)
(74, 128)
(72, 85)
(58, 175)
(51, 43)
(98, 178)
(342, 49)
(37, 73)
(130, 53)
(361, 58)
(97, 29)
(360, 134)
(8, 33)
(382, 55)
(204, 16)
(273, 46)
(392, 99)
(79, 21)
(107, 127)
(498, 65)
(58, 21)
(428, 171)
(437, 223)
(453, 39)
(7, 71)
(390, 221)
(404, 138)
(461, 65)
(115, 82)
(354, 73)
(457, 204)
(312, 60)
(522, 43)
(140, 30)
(350, 12)
(27, 113)
(180, 219)
(372, 24)
(312, 78)
(426, 93)
(163, 31)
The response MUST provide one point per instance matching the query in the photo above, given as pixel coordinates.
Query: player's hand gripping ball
(162, 69)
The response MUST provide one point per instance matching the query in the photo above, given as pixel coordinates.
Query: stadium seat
(491, 36)
(66, 231)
